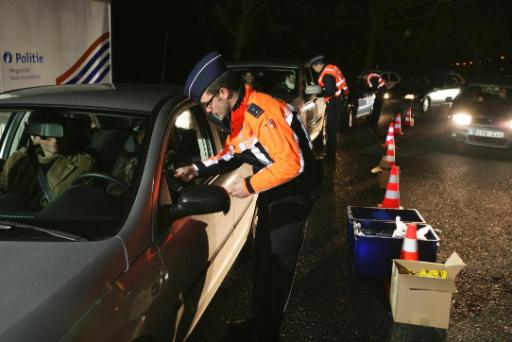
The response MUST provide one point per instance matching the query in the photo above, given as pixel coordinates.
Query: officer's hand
(185, 173)
(238, 189)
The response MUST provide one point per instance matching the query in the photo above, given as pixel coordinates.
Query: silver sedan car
(482, 115)
(124, 251)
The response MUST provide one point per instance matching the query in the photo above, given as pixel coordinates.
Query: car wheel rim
(425, 105)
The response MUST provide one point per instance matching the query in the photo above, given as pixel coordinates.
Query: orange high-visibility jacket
(341, 82)
(371, 76)
(266, 133)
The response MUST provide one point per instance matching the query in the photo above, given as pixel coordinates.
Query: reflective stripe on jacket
(341, 82)
(374, 76)
(267, 134)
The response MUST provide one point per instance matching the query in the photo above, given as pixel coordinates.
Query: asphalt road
(463, 192)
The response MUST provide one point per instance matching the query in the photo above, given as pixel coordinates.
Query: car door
(313, 110)
(197, 251)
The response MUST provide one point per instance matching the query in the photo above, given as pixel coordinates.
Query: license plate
(487, 133)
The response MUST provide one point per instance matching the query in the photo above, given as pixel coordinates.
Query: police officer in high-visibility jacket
(335, 93)
(267, 133)
(376, 83)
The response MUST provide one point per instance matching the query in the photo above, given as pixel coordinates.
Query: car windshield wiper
(8, 225)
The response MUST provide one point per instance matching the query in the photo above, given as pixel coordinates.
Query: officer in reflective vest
(375, 81)
(335, 92)
(268, 134)
(377, 84)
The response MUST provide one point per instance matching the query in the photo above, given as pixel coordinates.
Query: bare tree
(237, 18)
(376, 16)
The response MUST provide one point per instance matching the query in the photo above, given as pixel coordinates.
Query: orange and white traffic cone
(392, 196)
(398, 124)
(390, 137)
(388, 159)
(408, 118)
(410, 244)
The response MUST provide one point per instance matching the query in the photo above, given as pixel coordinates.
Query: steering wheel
(124, 187)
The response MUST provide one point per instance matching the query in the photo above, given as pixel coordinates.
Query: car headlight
(462, 119)
(409, 97)
(386, 96)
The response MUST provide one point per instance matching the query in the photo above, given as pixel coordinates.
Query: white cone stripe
(410, 245)
(392, 194)
(393, 179)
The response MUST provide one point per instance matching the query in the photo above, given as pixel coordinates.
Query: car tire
(425, 104)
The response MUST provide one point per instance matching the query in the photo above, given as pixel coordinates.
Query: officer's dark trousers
(279, 236)
(332, 110)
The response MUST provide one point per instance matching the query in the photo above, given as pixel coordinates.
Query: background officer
(335, 91)
(268, 134)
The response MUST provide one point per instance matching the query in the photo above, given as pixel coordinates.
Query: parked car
(482, 114)
(293, 82)
(360, 101)
(367, 103)
(118, 258)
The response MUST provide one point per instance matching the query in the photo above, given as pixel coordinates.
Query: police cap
(203, 74)
(317, 59)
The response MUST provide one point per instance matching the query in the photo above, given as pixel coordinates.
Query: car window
(71, 170)
(452, 81)
(189, 139)
(281, 82)
(4, 117)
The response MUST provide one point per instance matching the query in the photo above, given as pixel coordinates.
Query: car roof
(141, 98)
(267, 64)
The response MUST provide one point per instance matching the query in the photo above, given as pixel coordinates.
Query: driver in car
(45, 168)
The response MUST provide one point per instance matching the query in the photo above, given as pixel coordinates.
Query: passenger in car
(45, 168)
(288, 83)
(268, 134)
(126, 164)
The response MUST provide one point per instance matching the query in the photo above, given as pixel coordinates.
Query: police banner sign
(45, 42)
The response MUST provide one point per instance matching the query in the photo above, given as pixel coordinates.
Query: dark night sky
(460, 31)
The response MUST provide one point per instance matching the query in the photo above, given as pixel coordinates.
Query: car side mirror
(199, 199)
(449, 99)
(313, 89)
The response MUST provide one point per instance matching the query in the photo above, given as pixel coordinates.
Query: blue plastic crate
(373, 253)
(369, 214)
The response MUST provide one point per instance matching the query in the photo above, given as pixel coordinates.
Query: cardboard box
(422, 300)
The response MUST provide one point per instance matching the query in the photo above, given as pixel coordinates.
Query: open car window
(189, 140)
(71, 171)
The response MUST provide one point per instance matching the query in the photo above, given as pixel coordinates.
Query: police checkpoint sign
(45, 42)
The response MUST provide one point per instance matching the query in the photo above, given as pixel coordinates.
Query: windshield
(275, 81)
(485, 92)
(69, 171)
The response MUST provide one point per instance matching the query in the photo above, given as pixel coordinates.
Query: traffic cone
(410, 244)
(398, 124)
(388, 159)
(392, 196)
(408, 118)
(391, 134)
